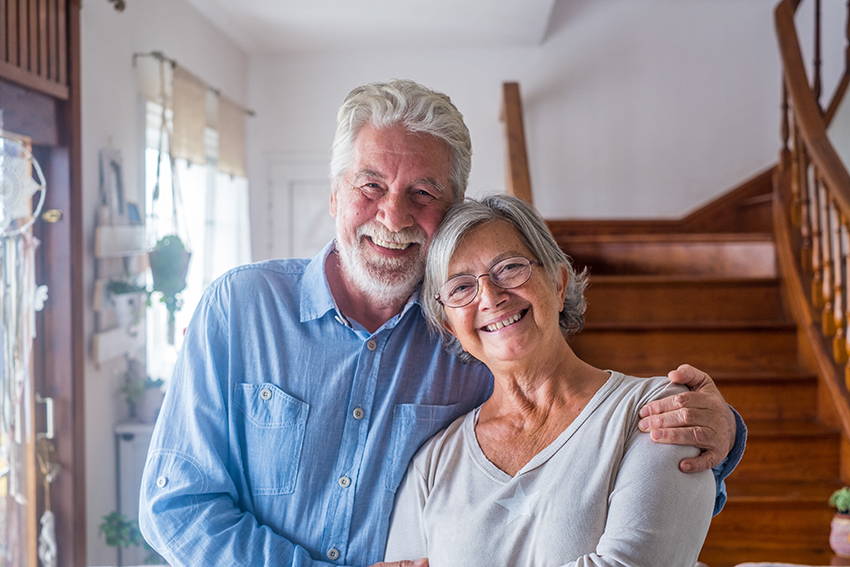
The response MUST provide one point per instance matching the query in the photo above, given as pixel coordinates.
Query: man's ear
(333, 202)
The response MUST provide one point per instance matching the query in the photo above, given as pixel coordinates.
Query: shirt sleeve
(189, 508)
(727, 465)
(657, 514)
(406, 538)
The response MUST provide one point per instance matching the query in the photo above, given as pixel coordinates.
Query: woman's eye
(509, 268)
(459, 289)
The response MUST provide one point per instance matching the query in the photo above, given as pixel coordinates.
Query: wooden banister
(519, 180)
(812, 213)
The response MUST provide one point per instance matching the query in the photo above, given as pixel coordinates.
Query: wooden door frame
(51, 117)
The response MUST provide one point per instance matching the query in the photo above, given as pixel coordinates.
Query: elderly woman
(551, 469)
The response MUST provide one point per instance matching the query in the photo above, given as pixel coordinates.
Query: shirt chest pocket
(271, 436)
(413, 424)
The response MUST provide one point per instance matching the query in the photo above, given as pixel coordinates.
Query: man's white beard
(387, 281)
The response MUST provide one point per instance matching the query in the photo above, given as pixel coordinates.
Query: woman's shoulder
(444, 447)
(644, 390)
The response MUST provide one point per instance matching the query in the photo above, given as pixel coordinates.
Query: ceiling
(275, 26)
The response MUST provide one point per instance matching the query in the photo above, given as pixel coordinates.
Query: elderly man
(305, 386)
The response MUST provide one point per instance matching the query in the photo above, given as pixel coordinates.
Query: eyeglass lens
(507, 274)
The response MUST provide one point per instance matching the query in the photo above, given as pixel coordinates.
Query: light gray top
(601, 494)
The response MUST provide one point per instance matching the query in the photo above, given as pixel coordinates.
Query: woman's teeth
(504, 322)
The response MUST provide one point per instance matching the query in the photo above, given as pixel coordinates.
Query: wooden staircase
(715, 300)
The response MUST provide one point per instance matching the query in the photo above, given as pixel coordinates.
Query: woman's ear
(562, 287)
(448, 326)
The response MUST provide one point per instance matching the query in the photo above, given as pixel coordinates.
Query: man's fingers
(700, 437)
(707, 460)
(678, 417)
(418, 563)
(694, 378)
(663, 405)
(691, 401)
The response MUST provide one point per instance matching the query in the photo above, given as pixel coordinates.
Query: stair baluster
(817, 253)
(839, 341)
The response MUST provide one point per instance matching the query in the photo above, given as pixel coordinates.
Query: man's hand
(701, 418)
(418, 563)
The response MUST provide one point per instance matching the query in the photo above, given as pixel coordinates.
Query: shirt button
(359, 413)
(344, 481)
(371, 345)
(333, 554)
(161, 481)
(265, 393)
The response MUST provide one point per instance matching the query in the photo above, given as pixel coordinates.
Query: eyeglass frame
(531, 264)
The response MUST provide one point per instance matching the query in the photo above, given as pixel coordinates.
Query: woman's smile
(506, 322)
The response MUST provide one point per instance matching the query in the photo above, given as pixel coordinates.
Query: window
(214, 209)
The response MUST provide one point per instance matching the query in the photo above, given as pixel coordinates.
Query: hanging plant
(169, 262)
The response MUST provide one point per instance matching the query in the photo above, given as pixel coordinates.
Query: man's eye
(371, 189)
(423, 196)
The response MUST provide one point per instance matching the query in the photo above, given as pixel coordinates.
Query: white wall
(633, 108)
(110, 111)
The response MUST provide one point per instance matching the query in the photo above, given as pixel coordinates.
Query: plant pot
(839, 536)
(169, 270)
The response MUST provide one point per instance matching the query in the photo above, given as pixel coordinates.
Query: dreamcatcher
(21, 180)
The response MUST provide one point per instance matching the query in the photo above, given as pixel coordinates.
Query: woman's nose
(489, 294)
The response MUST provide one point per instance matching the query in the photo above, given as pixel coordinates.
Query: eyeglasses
(509, 273)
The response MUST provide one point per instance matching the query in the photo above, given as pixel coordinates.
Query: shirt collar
(316, 297)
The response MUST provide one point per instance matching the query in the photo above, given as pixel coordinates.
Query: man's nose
(394, 212)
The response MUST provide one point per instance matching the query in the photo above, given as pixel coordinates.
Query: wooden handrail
(808, 115)
(812, 214)
(519, 180)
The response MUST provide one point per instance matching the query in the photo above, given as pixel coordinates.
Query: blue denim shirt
(286, 429)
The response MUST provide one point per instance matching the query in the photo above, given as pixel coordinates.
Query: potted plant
(169, 261)
(126, 296)
(142, 394)
(123, 533)
(839, 537)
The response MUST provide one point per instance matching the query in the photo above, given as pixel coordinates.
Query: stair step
(771, 520)
(737, 255)
(727, 556)
(789, 450)
(771, 526)
(816, 493)
(776, 395)
(652, 349)
(682, 298)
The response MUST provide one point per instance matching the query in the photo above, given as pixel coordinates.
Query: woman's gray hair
(408, 104)
(466, 216)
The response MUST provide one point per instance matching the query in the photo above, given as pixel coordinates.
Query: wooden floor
(649, 310)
